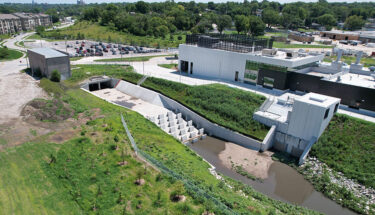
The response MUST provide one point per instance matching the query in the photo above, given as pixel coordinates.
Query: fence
(190, 186)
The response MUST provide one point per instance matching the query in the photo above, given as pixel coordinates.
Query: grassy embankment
(94, 31)
(9, 54)
(169, 66)
(83, 175)
(132, 59)
(366, 61)
(214, 102)
(348, 145)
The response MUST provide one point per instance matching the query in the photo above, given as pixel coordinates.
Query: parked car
(114, 53)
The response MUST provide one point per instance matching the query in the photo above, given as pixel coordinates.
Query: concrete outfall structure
(46, 60)
(299, 121)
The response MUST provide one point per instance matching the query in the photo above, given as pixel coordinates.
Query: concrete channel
(283, 182)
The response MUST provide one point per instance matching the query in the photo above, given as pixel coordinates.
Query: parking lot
(85, 48)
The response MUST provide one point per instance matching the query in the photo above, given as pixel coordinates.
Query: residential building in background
(10, 24)
(13, 23)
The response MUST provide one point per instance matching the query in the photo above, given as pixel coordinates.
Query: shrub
(55, 76)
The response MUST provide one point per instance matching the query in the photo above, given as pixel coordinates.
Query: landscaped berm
(94, 170)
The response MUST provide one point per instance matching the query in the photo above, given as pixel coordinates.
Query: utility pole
(66, 48)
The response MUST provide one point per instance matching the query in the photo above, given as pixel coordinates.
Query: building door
(346, 38)
(184, 66)
(334, 37)
(236, 76)
(191, 67)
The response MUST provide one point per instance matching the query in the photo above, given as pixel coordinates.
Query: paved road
(16, 88)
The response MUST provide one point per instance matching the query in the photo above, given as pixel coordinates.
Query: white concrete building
(298, 119)
(241, 62)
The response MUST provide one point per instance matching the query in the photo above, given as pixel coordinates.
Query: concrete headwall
(209, 127)
(268, 140)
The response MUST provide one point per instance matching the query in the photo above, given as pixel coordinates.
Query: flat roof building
(299, 120)
(244, 60)
(46, 60)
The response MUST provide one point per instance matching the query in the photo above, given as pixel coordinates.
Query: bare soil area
(253, 162)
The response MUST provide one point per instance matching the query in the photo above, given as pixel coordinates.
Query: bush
(55, 76)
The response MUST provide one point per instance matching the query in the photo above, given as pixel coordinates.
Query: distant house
(46, 60)
(259, 12)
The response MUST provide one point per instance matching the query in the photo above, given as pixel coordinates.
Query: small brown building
(340, 35)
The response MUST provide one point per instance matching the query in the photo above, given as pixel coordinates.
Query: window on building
(326, 114)
(336, 107)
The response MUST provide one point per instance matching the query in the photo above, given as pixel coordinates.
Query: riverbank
(255, 163)
(334, 185)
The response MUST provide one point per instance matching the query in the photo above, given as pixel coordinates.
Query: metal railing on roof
(229, 42)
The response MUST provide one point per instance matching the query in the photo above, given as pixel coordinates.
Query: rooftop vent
(291, 54)
(320, 99)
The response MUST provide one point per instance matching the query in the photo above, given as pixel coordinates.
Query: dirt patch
(63, 136)
(47, 110)
(253, 162)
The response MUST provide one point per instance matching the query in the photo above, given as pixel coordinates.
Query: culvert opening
(101, 85)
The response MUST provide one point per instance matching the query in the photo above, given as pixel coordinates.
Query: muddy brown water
(283, 183)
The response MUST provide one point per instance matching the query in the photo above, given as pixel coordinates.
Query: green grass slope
(348, 145)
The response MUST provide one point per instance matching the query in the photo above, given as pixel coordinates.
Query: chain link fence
(189, 185)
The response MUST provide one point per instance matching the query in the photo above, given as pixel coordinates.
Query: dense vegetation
(226, 106)
(214, 102)
(94, 31)
(347, 145)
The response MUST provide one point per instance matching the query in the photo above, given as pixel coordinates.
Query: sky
(107, 1)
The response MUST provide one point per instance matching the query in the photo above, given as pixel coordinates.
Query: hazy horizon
(118, 1)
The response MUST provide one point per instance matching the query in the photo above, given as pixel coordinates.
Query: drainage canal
(283, 182)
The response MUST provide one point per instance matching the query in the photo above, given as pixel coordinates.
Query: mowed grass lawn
(132, 59)
(229, 107)
(94, 31)
(348, 145)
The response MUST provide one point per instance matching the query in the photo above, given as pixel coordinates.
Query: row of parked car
(97, 49)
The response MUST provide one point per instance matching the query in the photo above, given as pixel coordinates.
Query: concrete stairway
(176, 126)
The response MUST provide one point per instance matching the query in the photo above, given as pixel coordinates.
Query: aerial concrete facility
(47, 60)
(241, 59)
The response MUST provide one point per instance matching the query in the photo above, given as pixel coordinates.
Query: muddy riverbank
(279, 181)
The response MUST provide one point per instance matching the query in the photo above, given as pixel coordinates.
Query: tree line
(162, 18)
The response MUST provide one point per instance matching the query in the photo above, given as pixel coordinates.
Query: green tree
(142, 7)
(55, 76)
(354, 22)
(54, 15)
(256, 26)
(328, 20)
(40, 30)
(223, 22)
(4, 53)
(241, 22)
(270, 17)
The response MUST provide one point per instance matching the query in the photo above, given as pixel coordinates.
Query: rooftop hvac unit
(269, 52)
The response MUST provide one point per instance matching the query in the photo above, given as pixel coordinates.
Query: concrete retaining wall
(268, 140)
(209, 127)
